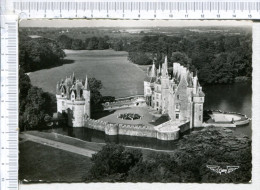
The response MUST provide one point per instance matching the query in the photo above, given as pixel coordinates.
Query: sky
(128, 23)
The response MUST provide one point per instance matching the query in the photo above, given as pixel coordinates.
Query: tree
(181, 58)
(95, 95)
(33, 114)
(77, 44)
(34, 104)
(39, 53)
(64, 41)
(92, 43)
(118, 45)
(139, 58)
(113, 160)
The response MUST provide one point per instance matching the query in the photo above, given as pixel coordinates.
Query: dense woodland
(35, 106)
(223, 57)
(210, 146)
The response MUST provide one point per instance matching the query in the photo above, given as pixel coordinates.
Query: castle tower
(61, 98)
(73, 98)
(153, 71)
(86, 95)
(198, 101)
(165, 86)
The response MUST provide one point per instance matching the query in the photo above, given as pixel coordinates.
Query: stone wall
(120, 129)
(134, 130)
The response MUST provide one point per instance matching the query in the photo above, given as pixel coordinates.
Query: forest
(187, 164)
(217, 57)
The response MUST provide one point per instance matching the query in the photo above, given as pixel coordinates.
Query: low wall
(218, 124)
(242, 121)
(168, 135)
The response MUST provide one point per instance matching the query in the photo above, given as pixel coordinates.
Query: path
(56, 144)
(74, 145)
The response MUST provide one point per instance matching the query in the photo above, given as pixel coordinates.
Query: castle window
(157, 104)
(200, 117)
(177, 116)
(178, 97)
(200, 107)
(177, 107)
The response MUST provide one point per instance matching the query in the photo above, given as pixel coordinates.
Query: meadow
(120, 77)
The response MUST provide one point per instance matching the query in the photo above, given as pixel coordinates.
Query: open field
(120, 78)
(39, 162)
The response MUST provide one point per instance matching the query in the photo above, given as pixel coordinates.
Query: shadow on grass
(100, 114)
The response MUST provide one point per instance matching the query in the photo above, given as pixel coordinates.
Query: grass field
(39, 162)
(120, 78)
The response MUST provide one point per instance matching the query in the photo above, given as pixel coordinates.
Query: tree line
(217, 58)
(188, 163)
(39, 53)
(35, 106)
(92, 43)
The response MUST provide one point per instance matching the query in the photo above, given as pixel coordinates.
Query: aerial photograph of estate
(167, 104)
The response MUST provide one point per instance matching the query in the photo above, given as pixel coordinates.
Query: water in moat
(233, 98)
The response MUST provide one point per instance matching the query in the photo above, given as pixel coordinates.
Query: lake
(231, 97)
(120, 78)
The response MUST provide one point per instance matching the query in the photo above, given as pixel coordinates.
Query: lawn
(120, 78)
(39, 162)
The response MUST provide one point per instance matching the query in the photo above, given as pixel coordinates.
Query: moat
(233, 97)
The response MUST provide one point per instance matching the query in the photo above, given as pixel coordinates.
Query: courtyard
(148, 116)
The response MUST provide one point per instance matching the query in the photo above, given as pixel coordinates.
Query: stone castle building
(178, 94)
(73, 98)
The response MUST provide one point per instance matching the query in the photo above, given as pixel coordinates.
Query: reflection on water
(100, 137)
(235, 97)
